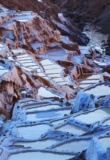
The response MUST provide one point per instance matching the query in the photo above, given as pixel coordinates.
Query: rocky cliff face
(83, 11)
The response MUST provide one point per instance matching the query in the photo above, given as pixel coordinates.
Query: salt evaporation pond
(32, 132)
(39, 156)
(76, 146)
(107, 122)
(45, 93)
(44, 108)
(46, 115)
(71, 129)
(105, 142)
(93, 116)
(100, 90)
(37, 144)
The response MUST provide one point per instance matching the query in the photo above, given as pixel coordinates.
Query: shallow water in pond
(94, 116)
(49, 107)
(73, 146)
(105, 142)
(39, 156)
(32, 132)
(37, 144)
(71, 129)
(47, 115)
(57, 54)
(99, 90)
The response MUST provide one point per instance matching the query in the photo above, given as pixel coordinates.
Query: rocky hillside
(83, 11)
(49, 11)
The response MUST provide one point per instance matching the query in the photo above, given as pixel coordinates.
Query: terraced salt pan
(107, 122)
(46, 62)
(53, 71)
(100, 63)
(34, 67)
(100, 90)
(25, 61)
(71, 129)
(29, 64)
(67, 78)
(84, 49)
(39, 156)
(75, 146)
(58, 122)
(84, 85)
(2, 72)
(36, 45)
(52, 67)
(28, 102)
(58, 79)
(55, 75)
(32, 132)
(45, 93)
(93, 116)
(47, 115)
(105, 142)
(24, 58)
(56, 54)
(3, 14)
(41, 74)
(18, 50)
(66, 40)
(89, 81)
(64, 83)
(37, 144)
(46, 78)
(45, 108)
(1, 68)
(93, 77)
